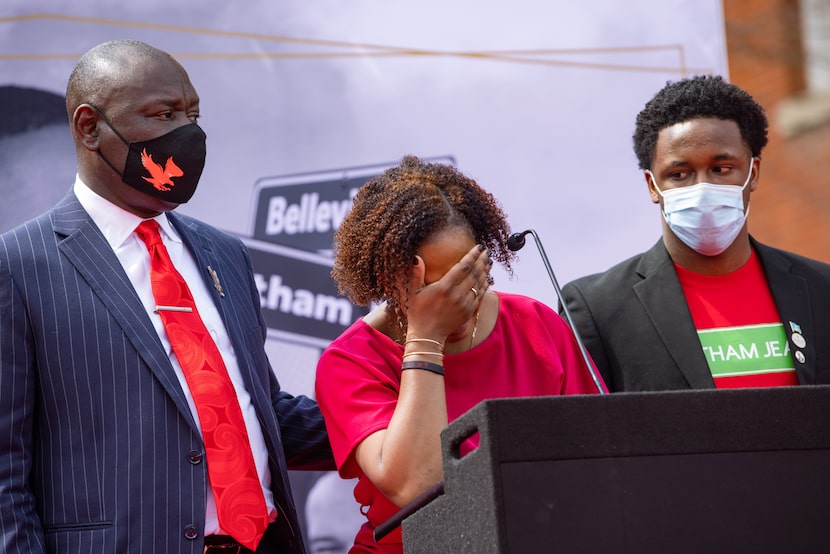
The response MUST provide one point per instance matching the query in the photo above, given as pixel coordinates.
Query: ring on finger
(474, 291)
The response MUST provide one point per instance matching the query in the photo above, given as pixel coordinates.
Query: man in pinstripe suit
(101, 445)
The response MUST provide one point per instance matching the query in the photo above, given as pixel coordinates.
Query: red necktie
(240, 504)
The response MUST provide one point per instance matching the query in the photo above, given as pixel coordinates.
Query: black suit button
(190, 532)
(195, 457)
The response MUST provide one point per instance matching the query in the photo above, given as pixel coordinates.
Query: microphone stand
(516, 242)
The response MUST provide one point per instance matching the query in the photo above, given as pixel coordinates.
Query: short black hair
(698, 97)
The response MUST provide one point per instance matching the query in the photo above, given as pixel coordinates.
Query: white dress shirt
(118, 227)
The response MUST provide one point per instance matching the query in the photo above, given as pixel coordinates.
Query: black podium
(693, 471)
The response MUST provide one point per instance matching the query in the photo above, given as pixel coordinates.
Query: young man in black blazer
(707, 306)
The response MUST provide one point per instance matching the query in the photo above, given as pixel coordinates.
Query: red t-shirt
(530, 352)
(739, 327)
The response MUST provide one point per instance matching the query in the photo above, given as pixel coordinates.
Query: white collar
(116, 223)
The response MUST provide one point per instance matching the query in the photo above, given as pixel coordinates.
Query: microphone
(516, 242)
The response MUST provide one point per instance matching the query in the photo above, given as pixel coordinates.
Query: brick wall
(791, 207)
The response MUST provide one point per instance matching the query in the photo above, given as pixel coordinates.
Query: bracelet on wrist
(431, 341)
(420, 364)
(422, 353)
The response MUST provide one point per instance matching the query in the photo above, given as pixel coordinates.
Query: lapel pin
(795, 327)
(798, 340)
(216, 284)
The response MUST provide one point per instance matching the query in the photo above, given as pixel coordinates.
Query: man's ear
(652, 186)
(756, 174)
(85, 126)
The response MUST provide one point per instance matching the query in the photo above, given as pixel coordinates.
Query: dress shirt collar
(116, 223)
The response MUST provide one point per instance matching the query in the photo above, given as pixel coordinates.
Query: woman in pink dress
(420, 240)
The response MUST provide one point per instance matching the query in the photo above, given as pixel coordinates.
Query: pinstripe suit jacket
(636, 324)
(99, 450)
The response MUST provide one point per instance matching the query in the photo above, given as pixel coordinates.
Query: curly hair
(697, 97)
(394, 213)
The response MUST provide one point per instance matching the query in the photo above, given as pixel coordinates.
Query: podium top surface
(647, 423)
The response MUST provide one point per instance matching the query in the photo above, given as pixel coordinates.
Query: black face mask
(167, 167)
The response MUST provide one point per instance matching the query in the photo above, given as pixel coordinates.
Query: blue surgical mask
(706, 217)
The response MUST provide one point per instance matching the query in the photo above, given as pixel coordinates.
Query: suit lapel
(664, 302)
(201, 248)
(791, 295)
(208, 255)
(91, 255)
(209, 258)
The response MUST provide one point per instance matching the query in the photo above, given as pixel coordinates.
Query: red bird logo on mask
(160, 177)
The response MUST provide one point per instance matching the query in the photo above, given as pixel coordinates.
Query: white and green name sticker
(746, 350)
